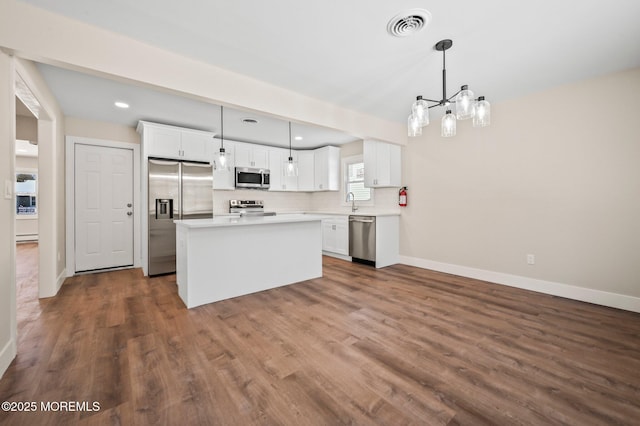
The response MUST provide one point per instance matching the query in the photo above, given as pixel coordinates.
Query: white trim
(60, 279)
(7, 354)
(599, 297)
(71, 141)
(358, 158)
(27, 237)
(336, 255)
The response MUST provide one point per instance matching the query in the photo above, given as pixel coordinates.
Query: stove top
(249, 208)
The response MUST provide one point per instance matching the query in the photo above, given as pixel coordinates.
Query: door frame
(71, 142)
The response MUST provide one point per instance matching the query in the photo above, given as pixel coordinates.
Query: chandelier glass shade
(466, 107)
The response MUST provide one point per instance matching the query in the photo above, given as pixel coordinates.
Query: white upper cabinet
(306, 171)
(164, 141)
(196, 146)
(279, 181)
(327, 169)
(251, 155)
(382, 164)
(223, 176)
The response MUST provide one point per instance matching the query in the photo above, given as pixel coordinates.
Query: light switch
(8, 189)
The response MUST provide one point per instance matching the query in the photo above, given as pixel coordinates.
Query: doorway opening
(26, 206)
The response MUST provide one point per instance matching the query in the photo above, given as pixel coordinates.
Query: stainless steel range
(249, 208)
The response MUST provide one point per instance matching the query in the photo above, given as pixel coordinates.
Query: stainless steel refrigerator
(177, 190)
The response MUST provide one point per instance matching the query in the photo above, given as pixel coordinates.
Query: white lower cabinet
(335, 235)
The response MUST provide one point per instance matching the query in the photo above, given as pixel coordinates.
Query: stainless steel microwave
(247, 177)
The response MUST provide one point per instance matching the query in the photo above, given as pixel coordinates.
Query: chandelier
(465, 105)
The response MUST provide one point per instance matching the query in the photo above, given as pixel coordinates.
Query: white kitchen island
(226, 257)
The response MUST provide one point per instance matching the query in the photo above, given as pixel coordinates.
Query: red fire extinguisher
(402, 197)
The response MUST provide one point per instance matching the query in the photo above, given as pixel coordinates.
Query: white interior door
(103, 207)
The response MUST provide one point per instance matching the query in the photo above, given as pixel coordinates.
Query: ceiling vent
(408, 22)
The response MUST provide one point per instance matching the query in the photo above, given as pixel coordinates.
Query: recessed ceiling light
(249, 121)
(298, 138)
(408, 22)
(122, 105)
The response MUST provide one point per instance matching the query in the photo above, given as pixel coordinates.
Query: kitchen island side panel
(226, 262)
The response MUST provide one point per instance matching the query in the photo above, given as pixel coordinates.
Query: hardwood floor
(30, 306)
(362, 346)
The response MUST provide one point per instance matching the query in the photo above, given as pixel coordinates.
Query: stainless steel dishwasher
(362, 238)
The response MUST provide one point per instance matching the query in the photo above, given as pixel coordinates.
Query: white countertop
(225, 221)
(362, 212)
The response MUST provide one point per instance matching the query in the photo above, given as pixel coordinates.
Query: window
(354, 180)
(26, 194)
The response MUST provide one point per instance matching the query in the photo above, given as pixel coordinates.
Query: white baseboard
(7, 354)
(336, 255)
(29, 238)
(599, 297)
(60, 279)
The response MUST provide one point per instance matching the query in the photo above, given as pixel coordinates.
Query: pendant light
(413, 126)
(222, 155)
(290, 166)
(466, 106)
(482, 116)
(448, 125)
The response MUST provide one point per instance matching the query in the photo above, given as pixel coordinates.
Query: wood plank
(398, 345)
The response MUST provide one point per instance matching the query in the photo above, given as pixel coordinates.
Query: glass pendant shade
(413, 126)
(420, 110)
(482, 117)
(465, 105)
(222, 158)
(448, 125)
(290, 168)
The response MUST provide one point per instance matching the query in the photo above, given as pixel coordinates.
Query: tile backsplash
(385, 199)
(273, 201)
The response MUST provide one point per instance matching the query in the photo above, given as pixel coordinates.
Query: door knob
(129, 213)
(128, 204)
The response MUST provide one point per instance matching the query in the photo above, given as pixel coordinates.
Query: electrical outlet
(531, 259)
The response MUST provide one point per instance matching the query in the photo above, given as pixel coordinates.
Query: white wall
(26, 128)
(7, 232)
(556, 175)
(51, 218)
(100, 130)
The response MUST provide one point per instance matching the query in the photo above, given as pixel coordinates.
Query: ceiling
(340, 52)
(92, 98)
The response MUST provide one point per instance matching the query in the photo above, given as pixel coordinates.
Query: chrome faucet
(354, 208)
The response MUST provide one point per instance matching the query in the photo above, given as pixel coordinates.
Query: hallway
(28, 305)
